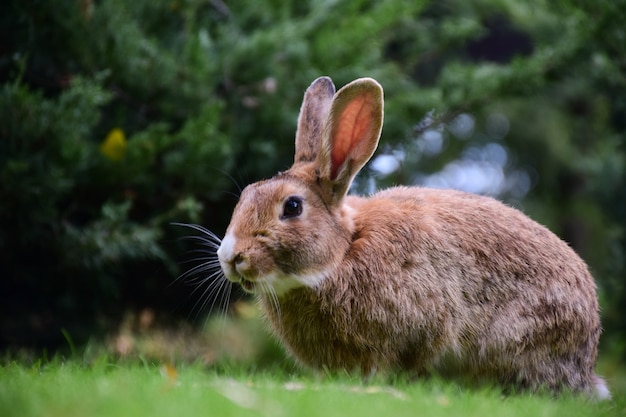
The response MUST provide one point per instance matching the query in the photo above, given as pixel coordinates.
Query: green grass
(110, 388)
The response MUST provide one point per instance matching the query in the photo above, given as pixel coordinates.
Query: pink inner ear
(351, 127)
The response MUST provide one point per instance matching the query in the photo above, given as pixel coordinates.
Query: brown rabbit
(409, 278)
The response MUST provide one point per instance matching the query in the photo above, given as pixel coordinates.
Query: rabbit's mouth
(247, 285)
(264, 285)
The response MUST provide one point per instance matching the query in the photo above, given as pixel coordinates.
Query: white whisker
(202, 241)
(206, 277)
(208, 266)
(211, 294)
(212, 237)
(210, 281)
(274, 303)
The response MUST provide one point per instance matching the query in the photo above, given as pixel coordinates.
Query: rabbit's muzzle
(237, 265)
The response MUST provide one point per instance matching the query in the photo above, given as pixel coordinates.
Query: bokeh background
(120, 117)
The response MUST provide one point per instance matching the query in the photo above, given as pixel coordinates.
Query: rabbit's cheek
(286, 260)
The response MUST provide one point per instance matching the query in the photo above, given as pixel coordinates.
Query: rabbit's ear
(352, 132)
(313, 115)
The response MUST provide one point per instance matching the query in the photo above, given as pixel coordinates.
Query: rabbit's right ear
(350, 136)
(313, 115)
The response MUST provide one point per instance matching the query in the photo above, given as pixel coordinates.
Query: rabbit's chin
(277, 283)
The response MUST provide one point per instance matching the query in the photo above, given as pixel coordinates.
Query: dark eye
(292, 208)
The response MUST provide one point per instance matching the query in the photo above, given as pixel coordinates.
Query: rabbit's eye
(292, 208)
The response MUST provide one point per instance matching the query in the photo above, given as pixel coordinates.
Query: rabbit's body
(409, 277)
(502, 309)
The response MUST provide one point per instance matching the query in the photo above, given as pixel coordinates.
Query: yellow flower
(114, 145)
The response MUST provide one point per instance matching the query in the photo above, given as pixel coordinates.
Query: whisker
(206, 284)
(200, 279)
(229, 290)
(234, 181)
(209, 266)
(201, 240)
(207, 259)
(213, 292)
(208, 294)
(210, 286)
(277, 305)
(274, 303)
(203, 230)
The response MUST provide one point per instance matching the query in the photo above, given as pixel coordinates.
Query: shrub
(119, 117)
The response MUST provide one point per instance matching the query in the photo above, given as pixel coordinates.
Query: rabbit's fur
(408, 277)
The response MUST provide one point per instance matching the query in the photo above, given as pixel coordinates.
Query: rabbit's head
(286, 232)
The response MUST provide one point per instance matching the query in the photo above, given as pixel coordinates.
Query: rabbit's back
(433, 274)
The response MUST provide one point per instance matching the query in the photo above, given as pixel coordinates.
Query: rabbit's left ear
(313, 115)
(352, 132)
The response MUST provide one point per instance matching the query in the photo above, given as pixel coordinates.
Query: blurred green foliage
(199, 97)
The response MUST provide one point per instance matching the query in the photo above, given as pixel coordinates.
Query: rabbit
(408, 279)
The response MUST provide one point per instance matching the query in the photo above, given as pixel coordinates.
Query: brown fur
(409, 277)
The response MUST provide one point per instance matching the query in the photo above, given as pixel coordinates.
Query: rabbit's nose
(241, 264)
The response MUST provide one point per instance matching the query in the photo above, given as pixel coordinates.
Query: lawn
(113, 388)
(233, 368)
